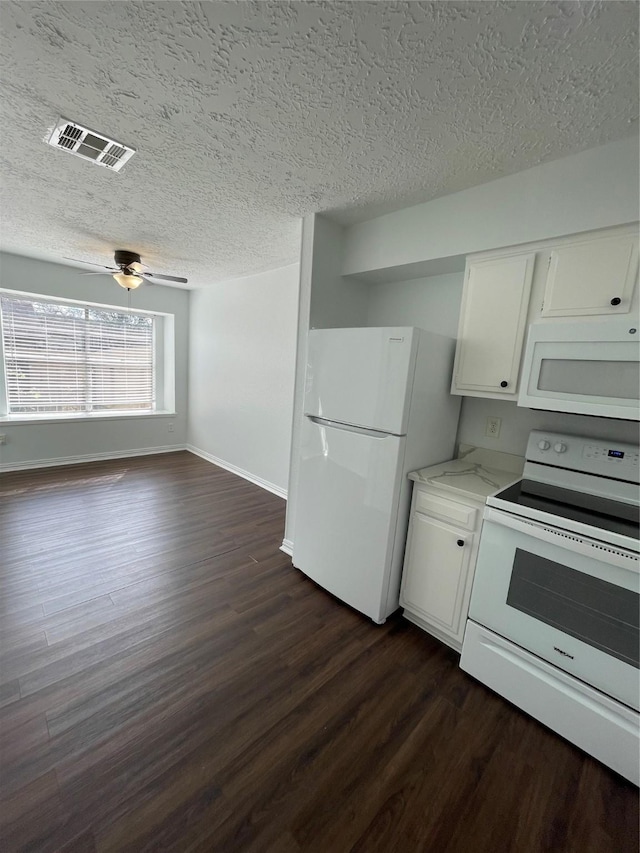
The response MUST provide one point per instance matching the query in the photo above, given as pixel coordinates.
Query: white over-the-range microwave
(586, 368)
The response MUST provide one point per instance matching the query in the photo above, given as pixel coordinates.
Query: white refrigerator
(376, 406)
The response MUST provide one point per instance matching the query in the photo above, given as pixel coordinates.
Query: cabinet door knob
(616, 300)
(460, 542)
(504, 383)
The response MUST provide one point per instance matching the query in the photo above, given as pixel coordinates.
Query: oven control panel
(579, 453)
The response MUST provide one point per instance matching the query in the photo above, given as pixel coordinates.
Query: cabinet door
(492, 324)
(591, 277)
(435, 573)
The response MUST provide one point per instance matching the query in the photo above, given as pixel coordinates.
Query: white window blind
(65, 357)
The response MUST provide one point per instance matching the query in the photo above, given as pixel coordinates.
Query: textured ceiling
(246, 116)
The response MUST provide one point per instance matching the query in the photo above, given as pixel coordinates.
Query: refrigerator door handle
(374, 433)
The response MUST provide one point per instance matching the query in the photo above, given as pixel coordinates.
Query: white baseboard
(287, 547)
(89, 457)
(258, 481)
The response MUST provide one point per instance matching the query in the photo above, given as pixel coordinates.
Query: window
(64, 357)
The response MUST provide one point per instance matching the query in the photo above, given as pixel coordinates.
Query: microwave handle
(608, 554)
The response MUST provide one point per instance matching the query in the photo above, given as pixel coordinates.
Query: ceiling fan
(128, 270)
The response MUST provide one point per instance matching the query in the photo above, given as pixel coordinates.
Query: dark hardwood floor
(170, 682)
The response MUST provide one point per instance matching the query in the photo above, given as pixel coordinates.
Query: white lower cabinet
(439, 563)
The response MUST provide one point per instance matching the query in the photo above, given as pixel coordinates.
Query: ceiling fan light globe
(130, 282)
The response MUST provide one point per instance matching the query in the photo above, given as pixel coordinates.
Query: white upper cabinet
(594, 276)
(493, 316)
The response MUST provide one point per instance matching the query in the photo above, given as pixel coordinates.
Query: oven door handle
(612, 556)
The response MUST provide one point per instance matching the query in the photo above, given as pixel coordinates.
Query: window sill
(8, 420)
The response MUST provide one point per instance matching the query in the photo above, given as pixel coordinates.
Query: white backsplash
(517, 423)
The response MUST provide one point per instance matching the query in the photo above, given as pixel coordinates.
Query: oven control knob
(544, 445)
(559, 447)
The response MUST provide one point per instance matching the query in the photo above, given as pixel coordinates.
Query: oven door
(571, 600)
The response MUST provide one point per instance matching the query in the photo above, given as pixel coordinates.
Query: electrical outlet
(492, 428)
(170, 426)
(3, 438)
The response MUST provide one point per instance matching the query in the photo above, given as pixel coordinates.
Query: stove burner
(596, 511)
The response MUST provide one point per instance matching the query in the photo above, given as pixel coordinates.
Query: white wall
(594, 189)
(430, 303)
(335, 302)
(34, 444)
(302, 331)
(242, 345)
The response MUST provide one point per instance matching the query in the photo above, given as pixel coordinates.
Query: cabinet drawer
(459, 514)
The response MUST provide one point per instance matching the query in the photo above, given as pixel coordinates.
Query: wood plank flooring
(169, 681)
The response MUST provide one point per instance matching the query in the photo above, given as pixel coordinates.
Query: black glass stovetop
(596, 511)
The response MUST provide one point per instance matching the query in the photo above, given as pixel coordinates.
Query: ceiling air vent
(90, 145)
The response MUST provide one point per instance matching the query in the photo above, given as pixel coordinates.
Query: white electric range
(554, 616)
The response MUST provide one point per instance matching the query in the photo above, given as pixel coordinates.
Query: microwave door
(589, 378)
(594, 377)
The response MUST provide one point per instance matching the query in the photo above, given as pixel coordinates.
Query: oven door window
(588, 608)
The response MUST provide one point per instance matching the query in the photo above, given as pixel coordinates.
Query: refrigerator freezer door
(361, 376)
(348, 493)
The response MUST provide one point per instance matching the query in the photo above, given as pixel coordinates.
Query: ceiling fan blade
(90, 263)
(164, 277)
(106, 272)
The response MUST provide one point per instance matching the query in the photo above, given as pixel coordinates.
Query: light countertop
(476, 473)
